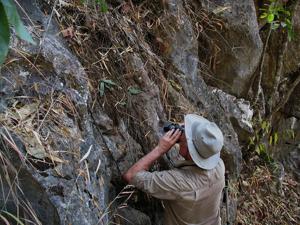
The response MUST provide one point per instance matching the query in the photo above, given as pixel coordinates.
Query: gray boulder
(238, 42)
(239, 112)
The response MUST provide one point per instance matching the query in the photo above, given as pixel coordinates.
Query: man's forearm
(164, 145)
(143, 164)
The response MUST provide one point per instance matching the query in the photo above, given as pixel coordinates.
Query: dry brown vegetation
(267, 196)
(104, 43)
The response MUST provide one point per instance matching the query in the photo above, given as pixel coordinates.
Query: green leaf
(122, 103)
(271, 140)
(261, 149)
(4, 34)
(109, 82)
(270, 18)
(264, 15)
(14, 20)
(103, 6)
(291, 34)
(257, 149)
(274, 26)
(275, 138)
(101, 89)
(264, 125)
(109, 87)
(251, 140)
(134, 91)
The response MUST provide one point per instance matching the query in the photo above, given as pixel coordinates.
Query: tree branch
(286, 98)
(278, 74)
(259, 88)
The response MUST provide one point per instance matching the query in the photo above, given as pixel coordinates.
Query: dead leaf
(34, 146)
(245, 183)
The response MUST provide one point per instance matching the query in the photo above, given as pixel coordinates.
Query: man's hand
(168, 140)
(164, 145)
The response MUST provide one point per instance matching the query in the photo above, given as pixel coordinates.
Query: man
(193, 190)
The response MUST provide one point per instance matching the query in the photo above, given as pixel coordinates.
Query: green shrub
(277, 15)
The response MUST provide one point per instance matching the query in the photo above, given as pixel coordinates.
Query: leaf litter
(22, 120)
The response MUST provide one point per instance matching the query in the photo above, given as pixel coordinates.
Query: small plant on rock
(277, 15)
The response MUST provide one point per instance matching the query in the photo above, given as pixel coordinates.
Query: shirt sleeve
(162, 185)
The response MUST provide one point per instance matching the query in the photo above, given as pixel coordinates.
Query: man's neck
(184, 149)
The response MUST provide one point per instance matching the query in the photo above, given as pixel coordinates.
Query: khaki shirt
(191, 195)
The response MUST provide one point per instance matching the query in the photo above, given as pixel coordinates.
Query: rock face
(288, 149)
(292, 108)
(239, 44)
(184, 58)
(291, 65)
(71, 130)
(291, 57)
(74, 149)
(239, 112)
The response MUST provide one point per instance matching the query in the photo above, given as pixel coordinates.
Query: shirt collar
(182, 163)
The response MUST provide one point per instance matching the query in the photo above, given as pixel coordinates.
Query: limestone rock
(239, 112)
(291, 57)
(184, 58)
(239, 43)
(293, 105)
(288, 149)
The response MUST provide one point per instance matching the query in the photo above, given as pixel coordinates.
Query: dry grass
(267, 197)
(20, 210)
(105, 43)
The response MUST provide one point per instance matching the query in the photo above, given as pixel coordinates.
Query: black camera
(170, 125)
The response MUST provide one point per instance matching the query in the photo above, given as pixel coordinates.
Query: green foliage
(4, 34)
(278, 16)
(263, 140)
(273, 139)
(9, 16)
(106, 84)
(289, 134)
(134, 91)
(101, 4)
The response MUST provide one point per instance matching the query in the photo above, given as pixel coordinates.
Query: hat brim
(208, 163)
